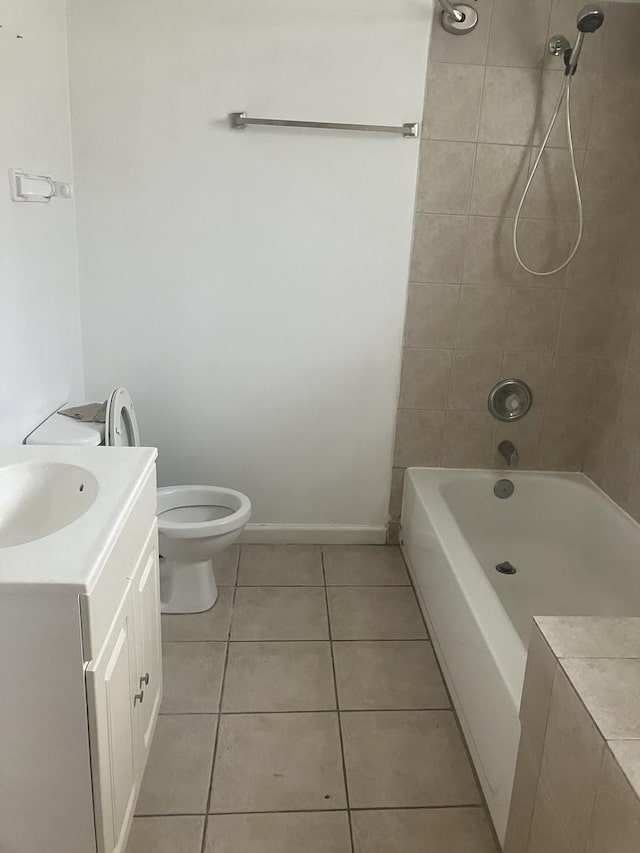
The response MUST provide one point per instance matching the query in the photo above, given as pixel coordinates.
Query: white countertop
(70, 559)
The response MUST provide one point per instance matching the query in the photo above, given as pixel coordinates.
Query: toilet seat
(183, 497)
(121, 424)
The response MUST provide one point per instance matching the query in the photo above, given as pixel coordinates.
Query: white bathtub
(576, 553)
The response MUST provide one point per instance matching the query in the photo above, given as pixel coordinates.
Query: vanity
(80, 654)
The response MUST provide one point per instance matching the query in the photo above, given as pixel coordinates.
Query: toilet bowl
(194, 522)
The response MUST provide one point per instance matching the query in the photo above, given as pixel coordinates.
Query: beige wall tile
(620, 58)
(489, 257)
(615, 822)
(432, 311)
(419, 436)
(482, 317)
(572, 388)
(610, 690)
(534, 315)
(525, 786)
(609, 183)
(446, 170)
(508, 109)
(633, 504)
(592, 636)
(499, 179)
(615, 124)
(436, 248)
(619, 326)
(627, 755)
(547, 834)
(473, 375)
(452, 102)
(564, 443)
(598, 451)
(599, 256)
(621, 466)
(552, 194)
(472, 49)
(518, 30)
(544, 245)
(425, 378)
(467, 440)
(609, 382)
(536, 695)
(571, 760)
(583, 325)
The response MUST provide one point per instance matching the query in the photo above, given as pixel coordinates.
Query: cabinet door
(147, 609)
(112, 680)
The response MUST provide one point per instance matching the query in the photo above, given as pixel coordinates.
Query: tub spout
(511, 455)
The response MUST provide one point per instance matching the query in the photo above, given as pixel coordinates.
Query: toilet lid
(121, 425)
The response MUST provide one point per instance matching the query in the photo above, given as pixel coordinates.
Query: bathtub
(575, 553)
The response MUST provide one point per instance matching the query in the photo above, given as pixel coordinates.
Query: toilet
(195, 523)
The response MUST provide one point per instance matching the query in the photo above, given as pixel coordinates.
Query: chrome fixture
(458, 19)
(238, 121)
(508, 450)
(510, 400)
(590, 18)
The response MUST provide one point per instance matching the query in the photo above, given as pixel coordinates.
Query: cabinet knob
(138, 698)
(144, 679)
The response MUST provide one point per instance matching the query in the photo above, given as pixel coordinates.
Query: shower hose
(565, 95)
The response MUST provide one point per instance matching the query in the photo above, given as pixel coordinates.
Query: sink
(40, 498)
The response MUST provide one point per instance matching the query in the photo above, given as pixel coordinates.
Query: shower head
(590, 18)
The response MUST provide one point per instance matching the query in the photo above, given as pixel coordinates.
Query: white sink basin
(39, 498)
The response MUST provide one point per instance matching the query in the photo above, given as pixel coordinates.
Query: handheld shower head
(590, 18)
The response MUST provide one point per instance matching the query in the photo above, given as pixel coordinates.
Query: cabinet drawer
(98, 606)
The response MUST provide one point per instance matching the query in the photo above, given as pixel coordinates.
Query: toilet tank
(61, 430)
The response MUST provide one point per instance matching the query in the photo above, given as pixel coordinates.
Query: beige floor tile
(398, 759)
(387, 674)
(280, 613)
(279, 677)
(176, 780)
(192, 677)
(302, 832)
(374, 613)
(278, 762)
(280, 565)
(176, 834)
(211, 625)
(423, 831)
(366, 565)
(225, 566)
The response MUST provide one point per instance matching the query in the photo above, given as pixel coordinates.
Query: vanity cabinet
(80, 690)
(124, 688)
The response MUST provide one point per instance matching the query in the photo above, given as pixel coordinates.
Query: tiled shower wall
(473, 316)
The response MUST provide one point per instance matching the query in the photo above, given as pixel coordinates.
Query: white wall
(40, 355)
(249, 286)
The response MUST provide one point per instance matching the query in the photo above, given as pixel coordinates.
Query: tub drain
(506, 568)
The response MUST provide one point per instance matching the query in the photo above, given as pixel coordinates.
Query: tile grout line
(219, 712)
(479, 806)
(335, 689)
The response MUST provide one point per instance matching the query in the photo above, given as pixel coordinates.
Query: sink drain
(506, 568)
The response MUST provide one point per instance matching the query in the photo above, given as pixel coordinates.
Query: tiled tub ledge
(577, 781)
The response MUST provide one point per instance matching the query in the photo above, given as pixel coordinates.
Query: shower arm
(457, 17)
(451, 10)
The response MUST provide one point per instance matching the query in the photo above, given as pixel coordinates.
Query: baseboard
(315, 534)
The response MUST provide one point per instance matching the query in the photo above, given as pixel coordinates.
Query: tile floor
(305, 713)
